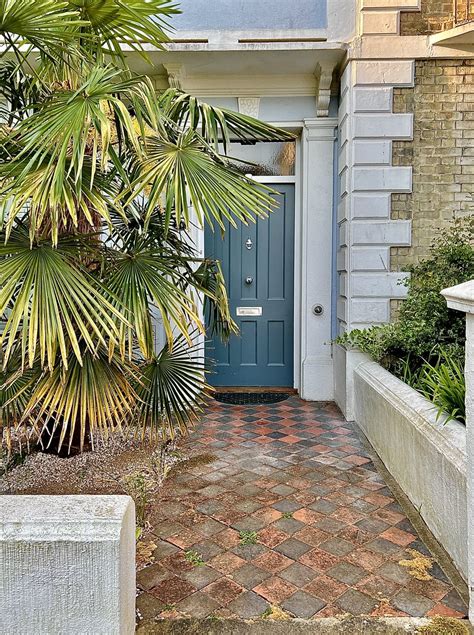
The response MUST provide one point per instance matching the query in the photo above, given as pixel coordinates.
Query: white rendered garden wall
(425, 456)
(67, 565)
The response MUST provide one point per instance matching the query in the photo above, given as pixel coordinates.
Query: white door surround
(315, 271)
(314, 186)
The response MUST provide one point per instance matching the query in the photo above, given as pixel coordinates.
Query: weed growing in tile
(248, 537)
(139, 488)
(194, 558)
(287, 515)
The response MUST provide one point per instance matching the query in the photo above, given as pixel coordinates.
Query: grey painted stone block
(67, 565)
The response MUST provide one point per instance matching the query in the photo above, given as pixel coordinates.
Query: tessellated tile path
(284, 507)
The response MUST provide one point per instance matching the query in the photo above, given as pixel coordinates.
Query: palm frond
(16, 388)
(50, 302)
(34, 189)
(134, 23)
(171, 390)
(185, 174)
(47, 25)
(77, 400)
(216, 125)
(141, 278)
(211, 283)
(19, 91)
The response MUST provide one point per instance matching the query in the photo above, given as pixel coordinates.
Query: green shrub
(425, 346)
(425, 324)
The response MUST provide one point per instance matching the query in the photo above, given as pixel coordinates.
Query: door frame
(296, 181)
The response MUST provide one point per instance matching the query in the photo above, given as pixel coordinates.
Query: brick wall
(435, 15)
(441, 153)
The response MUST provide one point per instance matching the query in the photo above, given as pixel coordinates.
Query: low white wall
(426, 457)
(345, 362)
(67, 565)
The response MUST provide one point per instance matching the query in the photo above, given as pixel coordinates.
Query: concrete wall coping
(460, 297)
(62, 518)
(67, 565)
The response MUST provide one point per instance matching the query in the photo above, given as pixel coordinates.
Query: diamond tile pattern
(289, 511)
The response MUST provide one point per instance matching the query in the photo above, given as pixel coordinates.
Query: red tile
(398, 536)
(311, 536)
(185, 539)
(385, 609)
(326, 588)
(378, 499)
(356, 460)
(392, 518)
(290, 440)
(267, 514)
(172, 590)
(226, 562)
(275, 590)
(272, 561)
(307, 516)
(329, 611)
(227, 538)
(299, 483)
(318, 559)
(443, 611)
(223, 590)
(346, 515)
(271, 537)
(433, 589)
(366, 559)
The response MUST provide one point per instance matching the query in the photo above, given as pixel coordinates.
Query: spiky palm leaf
(141, 278)
(185, 174)
(171, 389)
(75, 400)
(51, 302)
(211, 282)
(48, 25)
(16, 388)
(216, 125)
(134, 22)
(84, 263)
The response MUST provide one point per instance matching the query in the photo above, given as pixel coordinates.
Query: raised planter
(426, 457)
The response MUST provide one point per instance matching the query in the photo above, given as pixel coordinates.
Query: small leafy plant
(287, 515)
(248, 537)
(443, 383)
(139, 488)
(194, 558)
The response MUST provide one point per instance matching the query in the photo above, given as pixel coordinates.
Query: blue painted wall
(239, 15)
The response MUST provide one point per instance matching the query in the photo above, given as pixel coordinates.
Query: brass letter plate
(247, 311)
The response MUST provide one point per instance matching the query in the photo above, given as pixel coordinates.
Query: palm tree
(100, 178)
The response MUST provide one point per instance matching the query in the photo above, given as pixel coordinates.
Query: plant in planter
(425, 345)
(100, 179)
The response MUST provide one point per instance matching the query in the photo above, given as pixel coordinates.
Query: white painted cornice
(250, 85)
(320, 128)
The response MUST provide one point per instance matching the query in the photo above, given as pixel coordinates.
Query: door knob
(248, 280)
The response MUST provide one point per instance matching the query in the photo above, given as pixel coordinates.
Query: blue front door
(258, 265)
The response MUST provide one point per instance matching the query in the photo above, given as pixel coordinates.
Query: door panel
(258, 265)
